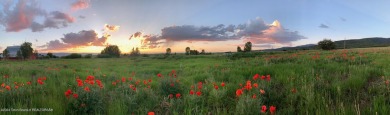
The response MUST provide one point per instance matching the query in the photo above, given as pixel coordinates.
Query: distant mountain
(353, 43)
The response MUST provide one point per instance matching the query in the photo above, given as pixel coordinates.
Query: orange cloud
(80, 4)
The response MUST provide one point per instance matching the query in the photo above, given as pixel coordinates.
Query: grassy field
(305, 82)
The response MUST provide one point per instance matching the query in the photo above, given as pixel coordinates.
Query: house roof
(13, 50)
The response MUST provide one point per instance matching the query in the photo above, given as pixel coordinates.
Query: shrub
(111, 50)
(73, 56)
(327, 44)
(88, 56)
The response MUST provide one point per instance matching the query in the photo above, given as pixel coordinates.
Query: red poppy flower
(2, 85)
(178, 95)
(130, 78)
(114, 83)
(150, 80)
(192, 86)
(263, 109)
(170, 96)
(150, 113)
(40, 81)
(16, 87)
(262, 77)
(68, 93)
(216, 87)
(254, 96)
(8, 87)
(191, 92)
(268, 77)
(200, 85)
(272, 109)
(90, 78)
(172, 84)
(239, 92)
(87, 89)
(223, 84)
(123, 79)
(387, 82)
(198, 93)
(80, 84)
(75, 96)
(256, 77)
(255, 85)
(159, 75)
(29, 83)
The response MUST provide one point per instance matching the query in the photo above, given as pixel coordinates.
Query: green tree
(327, 44)
(26, 50)
(19, 54)
(49, 54)
(188, 50)
(203, 51)
(5, 53)
(168, 51)
(248, 47)
(239, 49)
(111, 50)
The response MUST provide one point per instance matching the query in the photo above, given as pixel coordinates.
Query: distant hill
(354, 43)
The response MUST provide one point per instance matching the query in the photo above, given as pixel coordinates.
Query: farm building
(13, 50)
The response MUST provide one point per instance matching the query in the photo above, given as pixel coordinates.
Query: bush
(104, 56)
(111, 50)
(327, 44)
(88, 56)
(73, 56)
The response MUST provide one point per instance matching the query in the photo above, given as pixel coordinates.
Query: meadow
(354, 81)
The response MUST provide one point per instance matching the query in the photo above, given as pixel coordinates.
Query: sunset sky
(86, 26)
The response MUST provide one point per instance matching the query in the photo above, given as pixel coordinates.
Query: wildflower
(130, 78)
(172, 84)
(16, 87)
(254, 96)
(191, 92)
(263, 109)
(192, 86)
(29, 83)
(262, 77)
(216, 87)
(223, 84)
(256, 77)
(8, 87)
(159, 75)
(114, 83)
(248, 85)
(387, 82)
(150, 80)
(178, 95)
(239, 92)
(68, 93)
(123, 79)
(255, 85)
(198, 93)
(151, 113)
(2, 85)
(170, 96)
(268, 77)
(87, 89)
(40, 81)
(200, 84)
(75, 96)
(80, 84)
(262, 91)
(272, 109)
